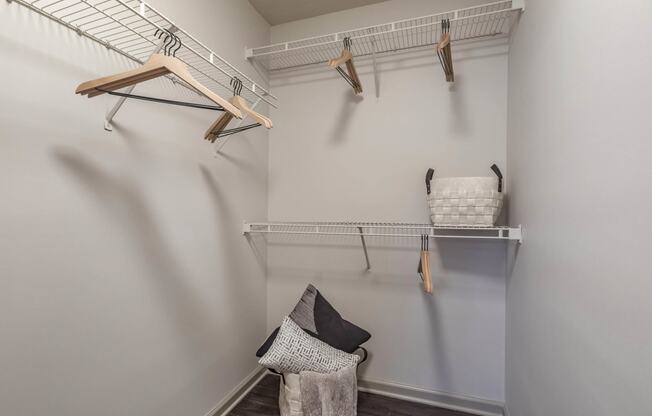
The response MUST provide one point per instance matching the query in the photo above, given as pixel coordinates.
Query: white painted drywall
(336, 157)
(127, 287)
(579, 310)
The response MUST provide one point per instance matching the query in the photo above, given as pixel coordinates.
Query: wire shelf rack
(382, 229)
(489, 20)
(128, 27)
(364, 230)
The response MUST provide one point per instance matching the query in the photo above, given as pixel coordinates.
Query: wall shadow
(125, 206)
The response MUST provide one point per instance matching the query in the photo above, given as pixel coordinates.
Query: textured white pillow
(294, 351)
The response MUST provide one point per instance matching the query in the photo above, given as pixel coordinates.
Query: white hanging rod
(128, 27)
(488, 20)
(372, 229)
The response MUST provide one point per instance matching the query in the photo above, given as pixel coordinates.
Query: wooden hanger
(243, 106)
(220, 124)
(444, 51)
(351, 75)
(424, 264)
(157, 65)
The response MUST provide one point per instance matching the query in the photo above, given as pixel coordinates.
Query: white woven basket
(471, 201)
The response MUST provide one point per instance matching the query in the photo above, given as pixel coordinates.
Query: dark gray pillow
(319, 319)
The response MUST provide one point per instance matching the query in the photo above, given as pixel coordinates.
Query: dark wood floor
(263, 401)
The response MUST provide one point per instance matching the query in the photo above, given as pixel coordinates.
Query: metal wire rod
(164, 100)
(348, 79)
(364, 247)
(235, 130)
(222, 143)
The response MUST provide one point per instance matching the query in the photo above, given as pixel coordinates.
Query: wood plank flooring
(263, 401)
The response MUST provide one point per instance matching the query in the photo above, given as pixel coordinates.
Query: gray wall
(579, 310)
(127, 287)
(335, 157)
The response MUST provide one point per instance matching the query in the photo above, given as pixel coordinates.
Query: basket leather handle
(429, 176)
(498, 173)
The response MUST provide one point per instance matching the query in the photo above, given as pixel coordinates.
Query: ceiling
(283, 11)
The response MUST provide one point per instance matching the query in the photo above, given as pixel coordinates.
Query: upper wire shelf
(128, 27)
(488, 20)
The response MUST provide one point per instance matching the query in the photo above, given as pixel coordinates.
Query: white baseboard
(470, 405)
(238, 393)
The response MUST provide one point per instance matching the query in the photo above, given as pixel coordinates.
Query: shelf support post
(118, 104)
(364, 248)
(375, 66)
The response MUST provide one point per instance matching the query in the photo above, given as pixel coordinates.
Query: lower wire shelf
(379, 229)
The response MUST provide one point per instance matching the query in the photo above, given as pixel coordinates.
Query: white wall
(370, 15)
(336, 157)
(127, 288)
(579, 310)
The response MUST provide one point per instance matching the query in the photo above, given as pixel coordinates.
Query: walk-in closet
(325, 208)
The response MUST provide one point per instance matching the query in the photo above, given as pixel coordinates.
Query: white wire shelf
(489, 20)
(377, 229)
(363, 230)
(128, 28)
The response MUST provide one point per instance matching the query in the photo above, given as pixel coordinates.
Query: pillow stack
(314, 337)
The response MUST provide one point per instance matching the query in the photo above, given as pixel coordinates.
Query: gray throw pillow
(294, 351)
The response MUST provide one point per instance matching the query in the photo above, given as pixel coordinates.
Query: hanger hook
(159, 32)
(347, 43)
(174, 53)
(163, 34)
(236, 83)
(167, 42)
(173, 43)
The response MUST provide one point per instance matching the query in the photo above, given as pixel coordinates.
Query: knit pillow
(318, 318)
(294, 351)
